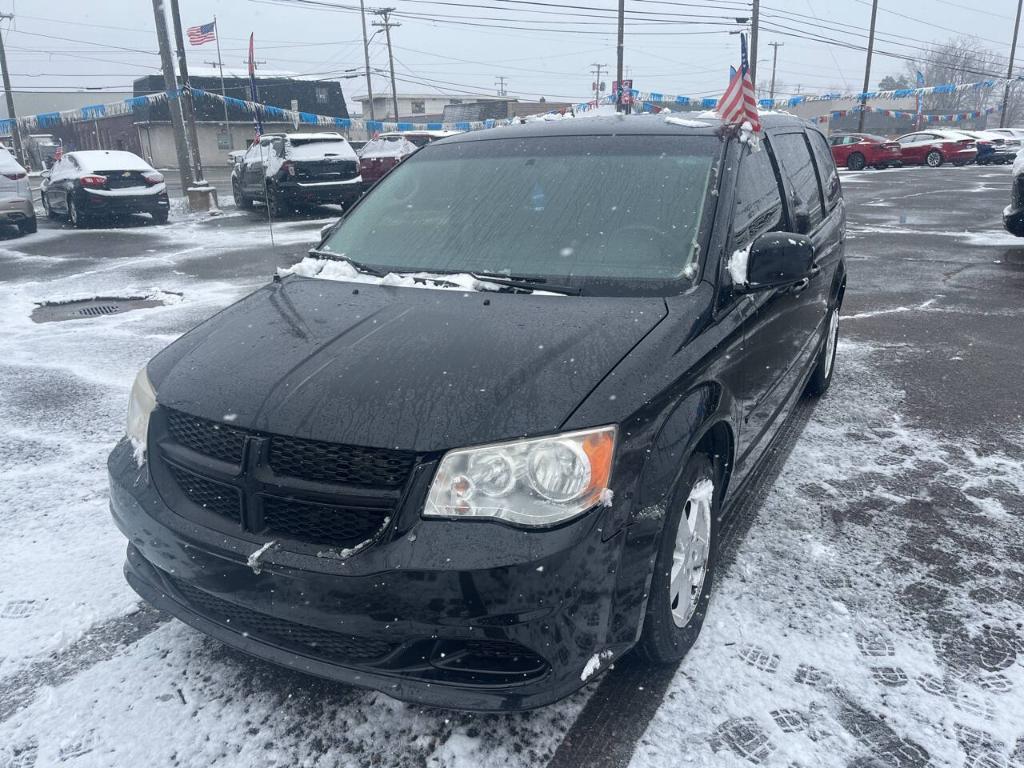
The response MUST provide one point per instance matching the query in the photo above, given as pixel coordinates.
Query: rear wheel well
(718, 444)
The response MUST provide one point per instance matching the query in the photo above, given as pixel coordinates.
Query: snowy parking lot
(872, 613)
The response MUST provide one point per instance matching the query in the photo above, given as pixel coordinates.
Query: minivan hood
(399, 367)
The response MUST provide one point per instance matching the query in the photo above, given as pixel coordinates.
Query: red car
(933, 148)
(858, 150)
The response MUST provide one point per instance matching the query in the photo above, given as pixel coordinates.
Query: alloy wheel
(691, 552)
(934, 159)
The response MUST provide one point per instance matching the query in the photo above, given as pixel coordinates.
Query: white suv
(15, 195)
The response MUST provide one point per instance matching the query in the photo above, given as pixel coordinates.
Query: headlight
(538, 482)
(140, 406)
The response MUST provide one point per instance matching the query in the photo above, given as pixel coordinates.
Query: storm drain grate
(49, 312)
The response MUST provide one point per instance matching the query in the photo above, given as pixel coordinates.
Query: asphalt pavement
(871, 607)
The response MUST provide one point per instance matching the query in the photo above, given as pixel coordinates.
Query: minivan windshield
(574, 210)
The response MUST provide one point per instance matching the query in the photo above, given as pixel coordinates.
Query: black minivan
(480, 443)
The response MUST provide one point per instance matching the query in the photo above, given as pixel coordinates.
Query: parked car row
(296, 170)
(933, 148)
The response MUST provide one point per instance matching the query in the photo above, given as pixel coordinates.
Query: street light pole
(867, 67)
(754, 21)
(1009, 70)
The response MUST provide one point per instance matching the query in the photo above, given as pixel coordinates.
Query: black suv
(297, 170)
(478, 444)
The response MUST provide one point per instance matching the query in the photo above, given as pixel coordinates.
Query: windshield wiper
(357, 264)
(527, 283)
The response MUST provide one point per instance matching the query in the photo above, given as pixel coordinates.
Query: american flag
(738, 104)
(204, 33)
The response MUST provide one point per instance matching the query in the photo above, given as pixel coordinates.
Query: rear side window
(758, 201)
(795, 156)
(827, 172)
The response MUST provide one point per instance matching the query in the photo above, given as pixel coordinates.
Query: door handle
(800, 285)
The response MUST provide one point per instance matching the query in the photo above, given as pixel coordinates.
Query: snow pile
(253, 560)
(737, 266)
(329, 269)
(337, 149)
(593, 664)
(1018, 164)
(683, 122)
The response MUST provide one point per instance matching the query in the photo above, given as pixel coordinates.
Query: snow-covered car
(1003, 148)
(380, 155)
(88, 184)
(476, 446)
(297, 170)
(15, 195)
(1013, 214)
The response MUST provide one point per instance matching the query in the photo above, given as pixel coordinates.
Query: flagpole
(223, 92)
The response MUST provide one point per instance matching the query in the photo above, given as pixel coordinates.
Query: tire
(76, 217)
(50, 213)
(855, 162)
(276, 206)
(933, 159)
(28, 226)
(243, 202)
(821, 378)
(667, 633)
(160, 216)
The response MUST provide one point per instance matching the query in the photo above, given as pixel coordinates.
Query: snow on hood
(330, 269)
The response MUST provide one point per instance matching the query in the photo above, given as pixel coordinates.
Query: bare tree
(959, 60)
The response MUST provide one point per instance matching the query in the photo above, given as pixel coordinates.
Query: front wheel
(855, 162)
(684, 569)
(822, 376)
(243, 202)
(933, 158)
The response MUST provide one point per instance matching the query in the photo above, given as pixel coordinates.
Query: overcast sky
(541, 47)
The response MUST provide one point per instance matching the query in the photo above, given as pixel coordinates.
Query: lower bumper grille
(301, 638)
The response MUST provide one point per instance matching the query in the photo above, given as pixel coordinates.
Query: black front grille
(209, 438)
(343, 464)
(212, 496)
(268, 487)
(339, 526)
(302, 638)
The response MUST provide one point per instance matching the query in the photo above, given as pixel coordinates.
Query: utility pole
(1010, 70)
(386, 25)
(366, 57)
(597, 82)
(775, 60)
(501, 86)
(188, 107)
(754, 21)
(170, 84)
(867, 66)
(19, 151)
(618, 55)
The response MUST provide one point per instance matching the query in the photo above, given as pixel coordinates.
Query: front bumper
(435, 616)
(16, 209)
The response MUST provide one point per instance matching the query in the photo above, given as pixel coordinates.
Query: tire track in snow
(100, 643)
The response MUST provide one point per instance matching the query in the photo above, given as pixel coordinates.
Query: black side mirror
(773, 260)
